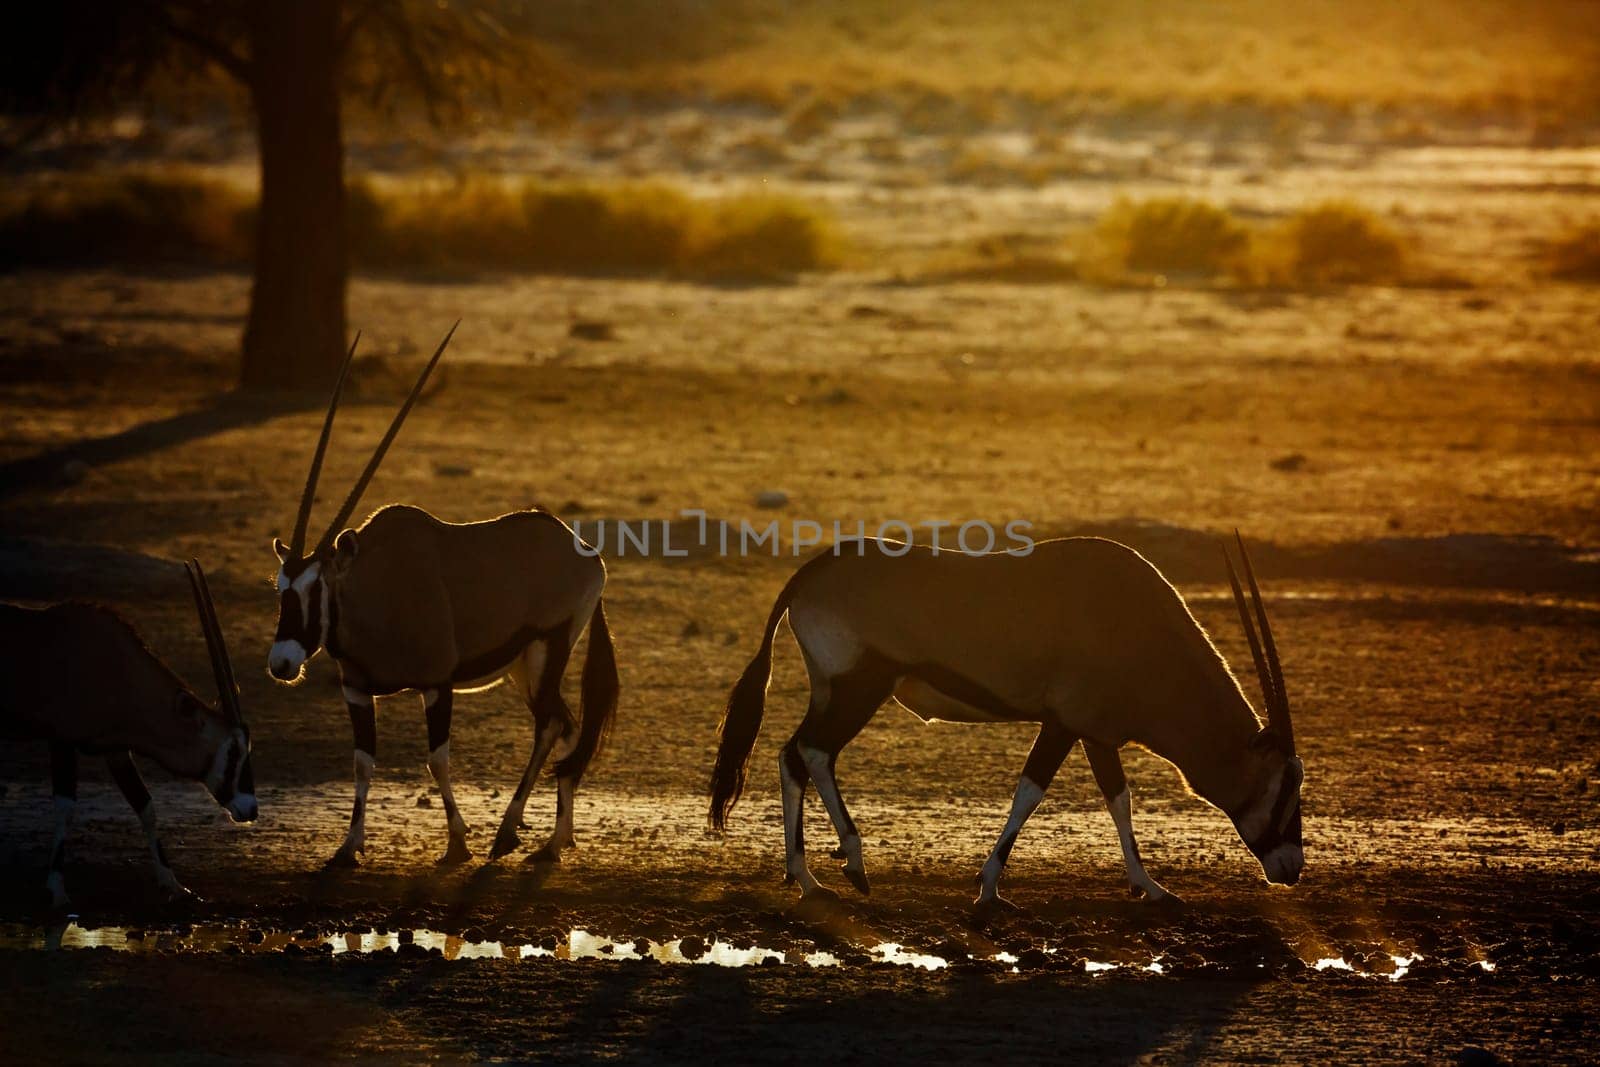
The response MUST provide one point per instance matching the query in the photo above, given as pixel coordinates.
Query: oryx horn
(383, 446)
(221, 665)
(297, 544)
(1264, 652)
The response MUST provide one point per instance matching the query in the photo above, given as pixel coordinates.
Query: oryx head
(229, 776)
(305, 579)
(1269, 819)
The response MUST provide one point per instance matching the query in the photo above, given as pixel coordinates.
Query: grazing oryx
(79, 677)
(1082, 635)
(409, 602)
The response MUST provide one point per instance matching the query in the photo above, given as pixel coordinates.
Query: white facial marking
(286, 658)
(219, 763)
(283, 581)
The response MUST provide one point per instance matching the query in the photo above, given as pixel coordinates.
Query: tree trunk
(295, 337)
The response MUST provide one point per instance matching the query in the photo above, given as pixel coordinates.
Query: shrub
(1168, 235)
(599, 228)
(1576, 256)
(124, 218)
(1333, 243)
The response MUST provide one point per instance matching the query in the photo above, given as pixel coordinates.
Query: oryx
(1082, 635)
(80, 677)
(410, 602)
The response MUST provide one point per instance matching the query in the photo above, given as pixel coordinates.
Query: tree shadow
(59, 466)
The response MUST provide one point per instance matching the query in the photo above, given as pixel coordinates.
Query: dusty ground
(1417, 467)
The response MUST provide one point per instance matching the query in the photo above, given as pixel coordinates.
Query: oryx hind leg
(563, 835)
(1049, 750)
(551, 722)
(132, 786)
(438, 703)
(1107, 766)
(64, 792)
(840, 706)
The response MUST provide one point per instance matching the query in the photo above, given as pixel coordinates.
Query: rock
(424, 802)
(691, 629)
(592, 330)
(771, 498)
(72, 472)
(1292, 462)
(1477, 1056)
(452, 470)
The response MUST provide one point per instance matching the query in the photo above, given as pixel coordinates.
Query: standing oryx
(79, 677)
(409, 602)
(1082, 635)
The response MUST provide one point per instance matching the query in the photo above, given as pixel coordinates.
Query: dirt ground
(1417, 469)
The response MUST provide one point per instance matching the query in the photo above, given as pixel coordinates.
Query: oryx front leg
(364, 727)
(64, 790)
(126, 775)
(1050, 749)
(1107, 767)
(438, 702)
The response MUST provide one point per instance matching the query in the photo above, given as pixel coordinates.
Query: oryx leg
(792, 779)
(1107, 767)
(439, 702)
(1050, 749)
(364, 728)
(550, 724)
(126, 775)
(840, 707)
(64, 791)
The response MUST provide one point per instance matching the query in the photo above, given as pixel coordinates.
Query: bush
(1576, 257)
(1169, 235)
(1333, 243)
(475, 223)
(124, 218)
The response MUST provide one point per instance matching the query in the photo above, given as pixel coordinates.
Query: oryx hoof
(994, 904)
(505, 841)
(839, 853)
(346, 857)
(818, 896)
(549, 852)
(456, 854)
(859, 880)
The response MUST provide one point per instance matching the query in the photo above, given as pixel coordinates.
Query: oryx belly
(929, 704)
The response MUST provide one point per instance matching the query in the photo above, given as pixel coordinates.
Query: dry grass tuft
(469, 224)
(1163, 236)
(1575, 257)
(1332, 243)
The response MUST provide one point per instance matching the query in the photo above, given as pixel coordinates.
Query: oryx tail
(598, 697)
(741, 719)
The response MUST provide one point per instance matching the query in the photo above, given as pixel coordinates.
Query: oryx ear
(281, 549)
(345, 548)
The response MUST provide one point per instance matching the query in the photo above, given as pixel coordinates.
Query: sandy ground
(1417, 469)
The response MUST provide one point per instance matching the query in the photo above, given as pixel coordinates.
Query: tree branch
(209, 47)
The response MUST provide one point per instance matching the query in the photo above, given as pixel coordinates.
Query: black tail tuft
(598, 697)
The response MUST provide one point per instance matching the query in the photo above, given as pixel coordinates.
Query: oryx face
(302, 616)
(230, 779)
(1270, 822)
